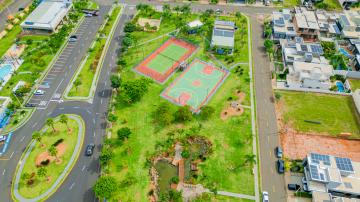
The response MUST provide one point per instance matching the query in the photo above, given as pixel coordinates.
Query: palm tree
(50, 122)
(77, 83)
(250, 159)
(64, 119)
(53, 151)
(36, 136)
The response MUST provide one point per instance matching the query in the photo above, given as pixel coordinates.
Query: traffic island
(48, 159)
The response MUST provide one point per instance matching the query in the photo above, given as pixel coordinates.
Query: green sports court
(196, 85)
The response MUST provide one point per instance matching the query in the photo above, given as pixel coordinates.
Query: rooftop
(223, 34)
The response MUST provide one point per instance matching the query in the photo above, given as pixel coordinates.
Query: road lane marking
(22, 139)
(94, 121)
(100, 101)
(105, 83)
(34, 125)
(76, 107)
(11, 155)
(4, 172)
(83, 168)
(273, 187)
(103, 93)
(88, 111)
(94, 133)
(72, 185)
(61, 108)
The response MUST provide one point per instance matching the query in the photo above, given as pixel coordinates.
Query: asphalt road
(11, 9)
(272, 182)
(77, 186)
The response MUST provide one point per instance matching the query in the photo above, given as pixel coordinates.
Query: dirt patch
(234, 108)
(297, 145)
(61, 148)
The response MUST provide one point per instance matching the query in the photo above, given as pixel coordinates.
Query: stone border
(16, 196)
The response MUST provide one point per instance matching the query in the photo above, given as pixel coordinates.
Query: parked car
(279, 152)
(73, 38)
(267, 3)
(89, 149)
(88, 15)
(280, 166)
(39, 92)
(218, 11)
(21, 9)
(30, 105)
(2, 138)
(265, 196)
(293, 187)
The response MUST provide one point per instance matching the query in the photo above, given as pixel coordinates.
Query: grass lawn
(9, 39)
(330, 5)
(54, 169)
(208, 197)
(18, 118)
(354, 83)
(337, 114)
(88, 71)
(231, 138)
(291, 3)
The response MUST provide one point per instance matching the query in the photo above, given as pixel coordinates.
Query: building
(223, 36)
(283, 28)
(349, 24)
(47, 16)
(337, 178)
(327, 24)
(306, 24)
(194, 26)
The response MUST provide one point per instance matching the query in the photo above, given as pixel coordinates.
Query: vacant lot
(334, 114)
(355, 84)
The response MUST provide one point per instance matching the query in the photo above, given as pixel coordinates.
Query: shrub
(183, 114)
(174, 180)
(123, 133)
(185, 154)
(112, 118)
(45, 163)
(206, 112)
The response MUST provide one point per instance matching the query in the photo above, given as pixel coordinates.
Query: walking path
(63, 175)
(225, 193)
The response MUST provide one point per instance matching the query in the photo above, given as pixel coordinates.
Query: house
(327, 24)
(336, 178)
(223, 36)
(47, 17)
(194, 26)
(349, 24)
(347, 3)
(306, 24)
(283, 27)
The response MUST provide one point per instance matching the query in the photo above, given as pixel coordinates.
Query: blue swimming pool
(340, 86)
(344, 52)
(5, 70)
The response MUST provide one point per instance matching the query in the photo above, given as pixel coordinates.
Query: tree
(166, 10)
(238, 15)
(115, 81)
(105, 187)
(183, 114)
(64, 119)
(163, 115)
(130, 27)
(250, 159)
(105, 156)
(186, 9)
(50, 122)
(53, 151)
(269, 46)
(77, 83)
(206, 112)
(132, 91)
(36, 136)
(127, 41)
(42, 172)
(123, 133)
(177, 9)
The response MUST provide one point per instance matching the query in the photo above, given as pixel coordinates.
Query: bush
(112, 118)
(277, 96)
(129, 27)
(58, 142)
(163, 115)
(185, 154)
(183, 114)
(123, 133)
(45, 163)
(206, 112)
(174, 180)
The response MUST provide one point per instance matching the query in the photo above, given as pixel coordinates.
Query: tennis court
(160, 64)
(196, 85)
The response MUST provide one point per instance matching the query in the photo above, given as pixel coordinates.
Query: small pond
(166, 172)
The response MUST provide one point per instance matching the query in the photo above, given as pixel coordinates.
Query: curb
(95, 80)
(67, 169)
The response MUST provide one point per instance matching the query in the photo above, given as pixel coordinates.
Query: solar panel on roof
(344, 164)
(336, 28)
(314, 172)
(345, 20)
(280, 21)
(304, 48)
(228, 34)
(316, 158)
(218, 32)
(316, 49)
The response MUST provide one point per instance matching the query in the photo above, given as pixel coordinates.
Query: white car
(2, 138)
(39, 92)
(265, 196)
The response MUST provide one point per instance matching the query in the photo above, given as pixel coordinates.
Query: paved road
(77, 187)
(11, 9)
(266, 119)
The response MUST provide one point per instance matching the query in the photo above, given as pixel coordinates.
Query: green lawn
(291, 3)
(209, 197)
(231, 139)
(354, 83)
(88, 71)
(337, 114)
(330, 5)
(9, 39)
(18, 118)
(54, 169)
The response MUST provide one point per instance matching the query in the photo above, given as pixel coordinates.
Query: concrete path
(225, 193)
(62, 176)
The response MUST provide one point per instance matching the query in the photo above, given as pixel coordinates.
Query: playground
(196, 85)
(161, 63)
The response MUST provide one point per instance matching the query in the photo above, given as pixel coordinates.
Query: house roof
(47, 15)
(195, 23)
(223, 34)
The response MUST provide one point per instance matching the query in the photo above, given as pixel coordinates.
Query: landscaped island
(49, 158)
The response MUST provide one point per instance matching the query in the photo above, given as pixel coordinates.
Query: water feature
(340, 86)
(166, 171)
(5, 70)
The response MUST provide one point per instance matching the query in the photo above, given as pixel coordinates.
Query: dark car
(293, 187)
(30, 105)
(21, 9)
(279, 152)
(280, 166)
(73, 38)
(89, 149)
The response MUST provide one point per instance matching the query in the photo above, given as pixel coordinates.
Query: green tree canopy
(105, 187)
(183, 114)
(123, 133)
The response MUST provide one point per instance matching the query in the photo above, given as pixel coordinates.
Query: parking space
(51, 81)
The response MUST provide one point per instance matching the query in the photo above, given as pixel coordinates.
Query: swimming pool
(340, 86)
(344, 52)
(5, 69)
